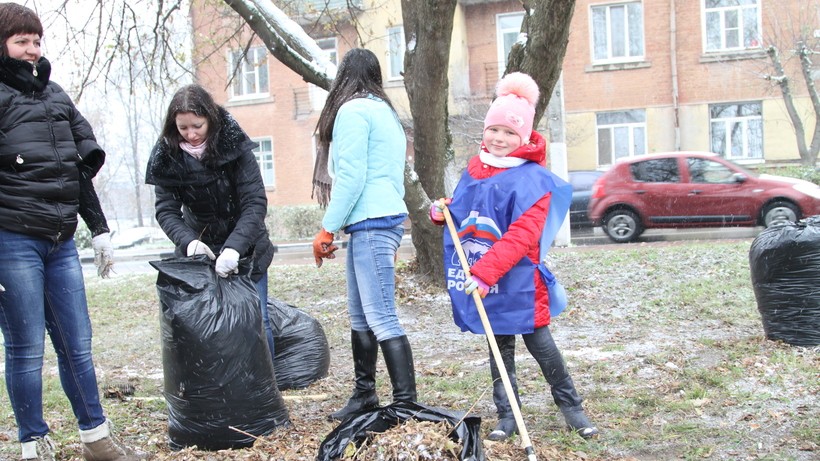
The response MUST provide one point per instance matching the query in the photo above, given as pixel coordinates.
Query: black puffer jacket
(48, 156)
(223, 206)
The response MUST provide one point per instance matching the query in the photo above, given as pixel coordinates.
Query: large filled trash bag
(302, 351)
(356, 428)
(785, 267)
(220, 385)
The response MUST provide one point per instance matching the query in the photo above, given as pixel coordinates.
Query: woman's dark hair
(17, 19)
(196, 100)
(359, 74)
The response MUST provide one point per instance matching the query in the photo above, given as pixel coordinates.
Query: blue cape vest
(482, 211)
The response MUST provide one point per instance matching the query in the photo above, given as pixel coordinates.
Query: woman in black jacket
(48, 157)
(210, 198)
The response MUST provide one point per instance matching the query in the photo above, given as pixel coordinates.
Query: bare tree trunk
(804, 53)
(428, 26)
(546, 24)
(782, 81)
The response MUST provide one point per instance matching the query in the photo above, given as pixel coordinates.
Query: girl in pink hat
(507, 208)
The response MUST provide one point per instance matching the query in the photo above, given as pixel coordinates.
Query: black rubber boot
(365, 353)
(398, 357)
(506, 427)
(546, 353)
(568, 401)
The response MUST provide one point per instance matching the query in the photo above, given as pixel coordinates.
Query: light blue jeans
(371, 281)
(45, 292)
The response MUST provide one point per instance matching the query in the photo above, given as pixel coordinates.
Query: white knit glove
(227, 263)
(103, 254)
(198, 248)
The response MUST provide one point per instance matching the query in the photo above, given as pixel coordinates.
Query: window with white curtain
(395, 51)
(508, 28)
(731, 25)
(617, 32)
(620, 134)
(318, 95)
(264, 157)
(736, 130)
(250, 73)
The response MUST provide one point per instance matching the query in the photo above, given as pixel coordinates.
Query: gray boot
(568, 401)
(99, 445)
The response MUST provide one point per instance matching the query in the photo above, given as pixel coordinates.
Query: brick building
(638, 77)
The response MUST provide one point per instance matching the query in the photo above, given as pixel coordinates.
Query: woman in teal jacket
(362, 132)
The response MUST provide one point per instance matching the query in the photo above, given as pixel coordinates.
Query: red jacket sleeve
(520, 240)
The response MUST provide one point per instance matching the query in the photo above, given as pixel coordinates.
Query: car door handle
(695, 192)
(640, 192)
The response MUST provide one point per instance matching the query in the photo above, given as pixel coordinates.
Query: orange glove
(323, 247)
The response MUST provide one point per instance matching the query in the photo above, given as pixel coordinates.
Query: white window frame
(631, 128)
(249, 70)
(501, 32)
(267, 166)
(739, 31)
(744, 123)
(318, 95)
(395, 52)
(608, 33)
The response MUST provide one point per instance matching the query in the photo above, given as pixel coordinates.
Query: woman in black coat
(48, 158)
(210, 197)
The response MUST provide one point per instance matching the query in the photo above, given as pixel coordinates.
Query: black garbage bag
(302, 351)
(355, 428)
(220, 385)
(785, 268)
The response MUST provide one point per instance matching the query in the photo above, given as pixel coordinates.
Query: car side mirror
(739, 177)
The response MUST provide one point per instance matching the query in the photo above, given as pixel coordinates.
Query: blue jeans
(45, 292)
(262, 289)
(371, 281)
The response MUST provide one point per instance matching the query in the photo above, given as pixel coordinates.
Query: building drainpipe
(673, 55)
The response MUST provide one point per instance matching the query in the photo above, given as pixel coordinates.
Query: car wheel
(780, 212)
(622, 226)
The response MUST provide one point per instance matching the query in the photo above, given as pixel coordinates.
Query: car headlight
(812, 190)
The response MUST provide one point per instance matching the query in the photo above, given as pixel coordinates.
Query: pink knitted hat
(514, 107)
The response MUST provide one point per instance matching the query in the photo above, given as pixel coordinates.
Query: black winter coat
(48, 156)
(223, 205)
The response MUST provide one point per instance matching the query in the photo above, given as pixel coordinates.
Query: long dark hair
(17, 19)
(196, 100)
(359, 74)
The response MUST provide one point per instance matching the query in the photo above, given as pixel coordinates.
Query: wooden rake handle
(488, 330)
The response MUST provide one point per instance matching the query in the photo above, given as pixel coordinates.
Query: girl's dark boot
(568, 401)
(546, 353)
(506, 425)
(365, 353)
(398, 357)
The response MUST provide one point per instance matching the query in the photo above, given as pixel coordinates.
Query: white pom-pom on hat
(518, 84)
(514, 107)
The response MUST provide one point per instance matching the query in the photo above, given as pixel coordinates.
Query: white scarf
(195, 151)
(500, 162)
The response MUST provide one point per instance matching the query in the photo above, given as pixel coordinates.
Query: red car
(693, 189)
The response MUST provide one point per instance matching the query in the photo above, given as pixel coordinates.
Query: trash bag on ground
(219, 382)
(785, 269)
(356, 428)
(301, 347)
